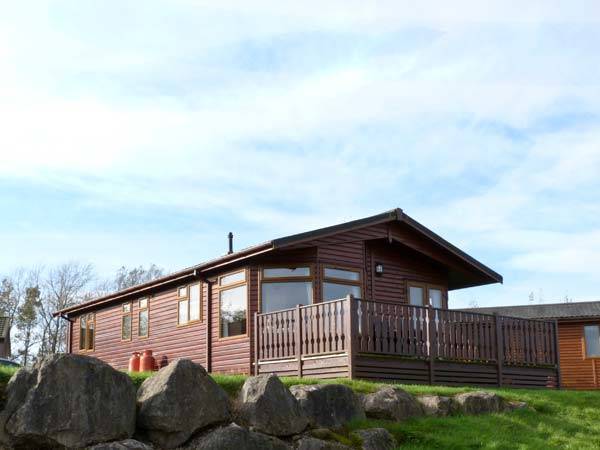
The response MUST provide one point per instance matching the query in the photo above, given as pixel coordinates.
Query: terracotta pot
(147, 361)
(134, 362)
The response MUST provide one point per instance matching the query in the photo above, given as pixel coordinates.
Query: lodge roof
(574, 310)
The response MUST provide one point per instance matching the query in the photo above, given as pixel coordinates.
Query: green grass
(559, 419)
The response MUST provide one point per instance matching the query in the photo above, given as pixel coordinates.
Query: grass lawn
(560, 419)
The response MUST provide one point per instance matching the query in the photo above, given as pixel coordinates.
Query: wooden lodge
(363, 299)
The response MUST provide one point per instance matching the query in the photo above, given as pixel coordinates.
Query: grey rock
(479, 402)
(235, 437)
(67, 400)
(513, 405)
(127, 444)
(328, 405)
(391, 403)
(312, 443)
(267, 405)
(178, 401)
(377, 439)
(436, 405)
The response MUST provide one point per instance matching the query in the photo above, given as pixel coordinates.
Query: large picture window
(233, 304)
(423, 294)
(126, 321)
(87, 328)
(285, 287)
(338, 282)
(592, 341)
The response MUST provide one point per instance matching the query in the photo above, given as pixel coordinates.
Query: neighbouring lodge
(363, 299)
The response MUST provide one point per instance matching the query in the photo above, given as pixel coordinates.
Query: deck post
(499, 347)
(349, 331)
(431, 336)
(298, 333)
(256, 346)
(557, 355)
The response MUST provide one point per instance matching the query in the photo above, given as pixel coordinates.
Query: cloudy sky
(138, 132)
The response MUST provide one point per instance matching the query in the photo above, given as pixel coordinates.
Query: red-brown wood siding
(166, 339)
(577, 371)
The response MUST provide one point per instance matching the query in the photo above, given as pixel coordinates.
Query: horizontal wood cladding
(167, 340)
(577, 371)
(323, 367)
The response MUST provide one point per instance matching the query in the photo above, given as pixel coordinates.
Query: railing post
(557, 355)
(298, 331)
(499, 347)
(256, 345)
(350, 331)
(431, 336)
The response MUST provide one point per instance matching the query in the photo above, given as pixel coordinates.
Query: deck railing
(356, 326)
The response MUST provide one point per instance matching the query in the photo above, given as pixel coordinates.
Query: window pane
(236, 277)
(143, 303)
(342, 274)
(183, 312)
(126, 307)
(90, 341)
(280, 272)
(416, 295)
(195, 302)
(592, 340)
(335, 291)
(126, 327)
(233, 311)
(82, 333)
(435, 298)
(182, 292)
(277, 296)
(143, 323)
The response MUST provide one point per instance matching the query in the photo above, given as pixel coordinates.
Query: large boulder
(479, 402)
(67, 400)
(328, 405)
(391, 403)
(127, 444)
(234, 437)
(436, 405)
(376, 439)
(267, 405)
(178, 401)
(313, 443)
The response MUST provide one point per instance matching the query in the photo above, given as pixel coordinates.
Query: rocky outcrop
(391, 403)
(328, 405)
(479, 402)
(235, 437)
(67, 400)
(267, 405)
(436, 405)
(127, 444)
(178, 401)
(376, 439)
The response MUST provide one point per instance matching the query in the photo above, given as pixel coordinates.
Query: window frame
(188, 299)
(140, 311)
(126, 314)
(300, 279)
(426, 287)
(232, 286)
(584, 340)
(85, 339)
(334, 280)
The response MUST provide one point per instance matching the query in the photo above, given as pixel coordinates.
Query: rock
(479, 402)
(127, 444)
(268, 406)
(436, 405)
(391, 403)
(178, 401)
(68, 400)
(376, 439)
(328, 405)
(312, 443)
(234, 437)
(513, 405)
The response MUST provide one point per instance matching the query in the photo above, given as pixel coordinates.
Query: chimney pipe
(230, 236)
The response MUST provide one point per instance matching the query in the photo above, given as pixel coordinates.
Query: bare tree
(26, 323)
(131, 277)
(64, 286)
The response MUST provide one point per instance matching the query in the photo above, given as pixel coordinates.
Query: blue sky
(132, 135)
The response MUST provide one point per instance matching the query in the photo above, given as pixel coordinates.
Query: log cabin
(362, 299)
(578, 337)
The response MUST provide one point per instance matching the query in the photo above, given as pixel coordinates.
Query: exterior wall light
(378, 269)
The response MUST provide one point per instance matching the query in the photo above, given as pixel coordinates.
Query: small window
(82, 332)
(126, 322)
(87, 325)
(285, 272)
(592, 341)
(182, 292)
(189, 309)
(340, 274)
(184, 317)
(416, 295)
(195, 295)
(143, 318)
(339, 283)
(236, 277)
(435, 298)
(423, 294)
(143, 303)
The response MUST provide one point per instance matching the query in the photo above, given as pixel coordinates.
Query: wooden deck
(411, 344)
